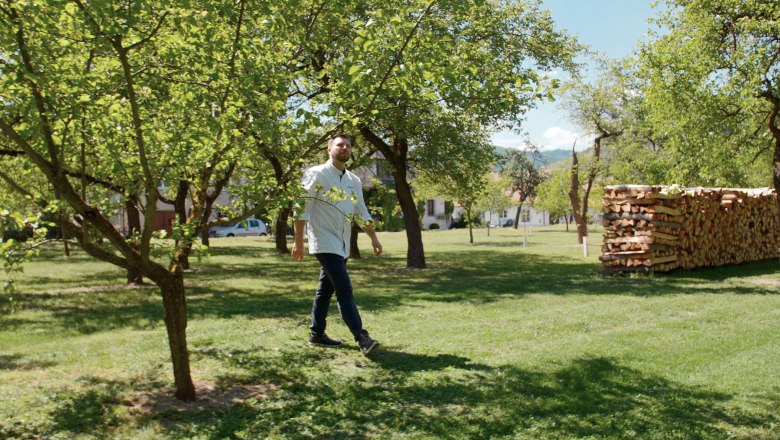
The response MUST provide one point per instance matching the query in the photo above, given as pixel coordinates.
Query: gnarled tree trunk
(415, 253)
(580, 208)
(774, 128)
(574, 193)
(134, 274)
(354, 250)
(396, 155)
(180, 206)
(171, 283)
(280, 230)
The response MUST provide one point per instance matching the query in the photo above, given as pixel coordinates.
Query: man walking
(335, 195)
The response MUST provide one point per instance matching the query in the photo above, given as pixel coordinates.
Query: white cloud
(557, 137)
(552, 138)
(506, 139)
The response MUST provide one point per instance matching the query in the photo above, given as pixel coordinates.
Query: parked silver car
(251, 227)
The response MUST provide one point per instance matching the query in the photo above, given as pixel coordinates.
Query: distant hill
(549, 157)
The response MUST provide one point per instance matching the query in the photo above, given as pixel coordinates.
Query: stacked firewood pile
(658, 228)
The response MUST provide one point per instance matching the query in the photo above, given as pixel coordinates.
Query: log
(648, 226)
(621, 216)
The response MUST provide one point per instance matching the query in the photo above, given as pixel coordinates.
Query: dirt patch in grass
(210, 396)
(767, 281)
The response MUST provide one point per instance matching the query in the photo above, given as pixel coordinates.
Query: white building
(434, 213)
(528, 217)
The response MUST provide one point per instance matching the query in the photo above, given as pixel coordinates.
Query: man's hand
(369, 228)
(297, 252)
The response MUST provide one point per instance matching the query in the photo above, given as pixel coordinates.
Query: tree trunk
(580, 209)
(204, 221)
(397, 156)
(280, 230)
(283, 216)
(777, 172)
(185, 258)
(415, 254)
(66, 245)
(517, 215)
(171, 285)
(581, 232)
(467, 213)
(574, 195)
(354, 250)
(582, 225)
(134, 274)
(180, 206)
(774, 128)
(209, 201)
(204, 235)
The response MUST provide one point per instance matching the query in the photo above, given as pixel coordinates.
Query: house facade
(528, 217)
(165, 216)
(434, 215)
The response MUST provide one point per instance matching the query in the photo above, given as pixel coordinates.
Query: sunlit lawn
(493, 340)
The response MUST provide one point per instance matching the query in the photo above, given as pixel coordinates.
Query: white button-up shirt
(333, 199)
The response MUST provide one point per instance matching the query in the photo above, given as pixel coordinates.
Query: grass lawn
(494, 340)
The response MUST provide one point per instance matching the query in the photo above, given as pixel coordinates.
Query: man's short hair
(339, 135)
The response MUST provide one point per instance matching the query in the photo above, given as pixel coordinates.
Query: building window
(430, 208)
(383, 172)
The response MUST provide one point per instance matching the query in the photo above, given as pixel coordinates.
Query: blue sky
(612, 27)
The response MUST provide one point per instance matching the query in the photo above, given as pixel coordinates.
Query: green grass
(494, 340)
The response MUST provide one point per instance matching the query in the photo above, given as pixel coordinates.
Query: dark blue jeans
(334, 279)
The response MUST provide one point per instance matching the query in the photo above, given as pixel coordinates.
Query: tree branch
(151, 35)
(397, 57)
(11, 153)
(310, 22)
(94, 250)
(17, 187)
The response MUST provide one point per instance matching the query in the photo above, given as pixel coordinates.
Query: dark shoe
(366, 343)
(323, 339)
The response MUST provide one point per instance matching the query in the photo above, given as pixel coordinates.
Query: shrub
(459, 223)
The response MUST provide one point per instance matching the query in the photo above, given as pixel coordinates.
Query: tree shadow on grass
(14, 323)
(227, 303)
(42, 285)
(591, 397)
(721, 273)
(481, 276)
(89, 410)
(380, 284)
(18, 362)
(394, 360)
(325, 393)
(142, 312)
